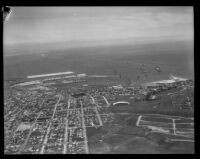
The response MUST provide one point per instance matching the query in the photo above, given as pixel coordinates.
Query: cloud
(54, 24)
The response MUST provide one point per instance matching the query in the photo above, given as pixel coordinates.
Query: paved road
(66, 130)
(48, 130)
(84, 129)
(106, 101)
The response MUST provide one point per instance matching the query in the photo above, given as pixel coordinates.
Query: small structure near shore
(121, 103)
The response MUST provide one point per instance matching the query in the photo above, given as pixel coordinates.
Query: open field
(123, 136)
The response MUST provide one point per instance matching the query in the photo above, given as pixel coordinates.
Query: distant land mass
(173, 57)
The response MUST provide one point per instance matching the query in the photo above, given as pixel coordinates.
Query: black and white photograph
(98, 79)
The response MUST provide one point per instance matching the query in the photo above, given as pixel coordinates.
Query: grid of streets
(56, 121)
(60, 125)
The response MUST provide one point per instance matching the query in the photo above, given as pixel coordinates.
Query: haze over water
(77, 26)
(33, 30)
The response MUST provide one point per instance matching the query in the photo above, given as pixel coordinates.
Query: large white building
(50, 74)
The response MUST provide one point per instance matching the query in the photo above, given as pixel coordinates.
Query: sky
(76, 25)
